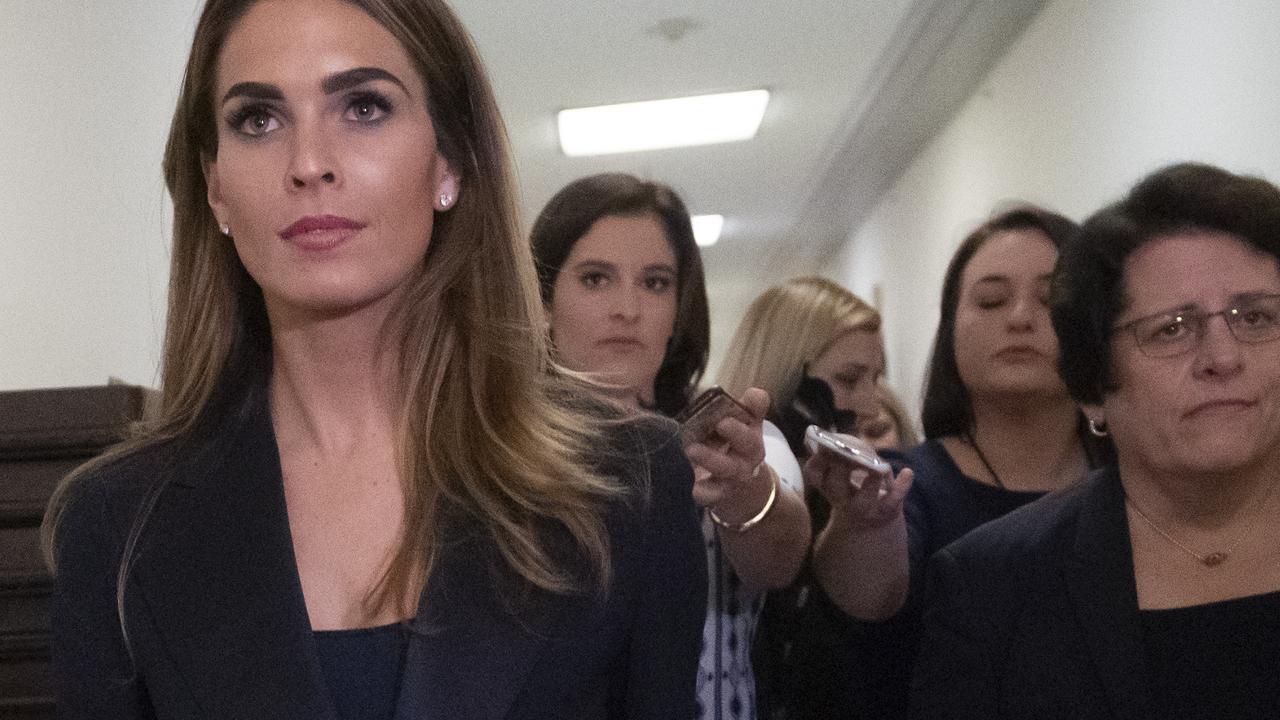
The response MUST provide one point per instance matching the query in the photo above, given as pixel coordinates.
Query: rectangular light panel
(655, 124)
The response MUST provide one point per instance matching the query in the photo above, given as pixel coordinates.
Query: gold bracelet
(746, 525)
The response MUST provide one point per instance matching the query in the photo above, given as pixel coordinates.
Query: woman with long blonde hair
(816, 349)
(368, 491)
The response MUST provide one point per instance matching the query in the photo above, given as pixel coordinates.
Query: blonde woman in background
(816, 348)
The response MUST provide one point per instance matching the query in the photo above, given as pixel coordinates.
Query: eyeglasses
(1255, 319)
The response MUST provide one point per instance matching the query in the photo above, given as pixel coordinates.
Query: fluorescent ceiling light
(706, 229)
(677, 122)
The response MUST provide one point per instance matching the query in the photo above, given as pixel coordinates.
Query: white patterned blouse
(726, 685)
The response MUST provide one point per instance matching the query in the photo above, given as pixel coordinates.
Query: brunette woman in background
(1000, 428)
(626, 304)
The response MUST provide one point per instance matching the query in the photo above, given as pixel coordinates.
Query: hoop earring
(1098, 428)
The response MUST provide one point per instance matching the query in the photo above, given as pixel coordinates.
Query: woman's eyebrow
(331, 84)
(595, 264)
(255, 90)
(347, 79)
(993, 278)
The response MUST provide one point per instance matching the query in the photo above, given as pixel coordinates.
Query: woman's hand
(860, 557)
(859, 499)
(764, 526)
(729, 472)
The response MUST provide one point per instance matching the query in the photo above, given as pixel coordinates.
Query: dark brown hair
(948, 409)
(1088, 289)
(570, 214)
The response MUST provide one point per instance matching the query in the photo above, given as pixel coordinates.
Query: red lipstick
(320, 232)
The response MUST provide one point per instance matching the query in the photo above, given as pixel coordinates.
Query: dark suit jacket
(1035, 615)
(218, 627)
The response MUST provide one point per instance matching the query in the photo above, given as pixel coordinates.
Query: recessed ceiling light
(706, 229)
(654, 124)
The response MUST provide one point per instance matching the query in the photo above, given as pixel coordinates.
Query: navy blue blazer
(218, 628)
(1035, 615)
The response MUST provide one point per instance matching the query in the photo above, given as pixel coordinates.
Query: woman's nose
(1219, 353)
(1023, 314)
(626, 303)
(312, 163)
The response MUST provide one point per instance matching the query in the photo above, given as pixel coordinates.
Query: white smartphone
(851, 449)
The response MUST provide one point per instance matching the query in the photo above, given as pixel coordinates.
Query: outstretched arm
(861, 557)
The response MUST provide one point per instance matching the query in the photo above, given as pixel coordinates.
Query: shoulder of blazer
(644, 455)
(117, 491)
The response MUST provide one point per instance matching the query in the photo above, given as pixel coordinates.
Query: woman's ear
(1096, 417)
(214, 193)
(447, 187)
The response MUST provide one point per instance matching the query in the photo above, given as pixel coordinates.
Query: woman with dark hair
(626, 304)
(1151, 590)
(369, 493)
(1000, 431)
(634, 207)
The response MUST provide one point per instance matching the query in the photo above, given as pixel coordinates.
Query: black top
(1034, 616)
(217, 623)
(813, 661)
(944, 504)
(362, 669)
(1220, 660)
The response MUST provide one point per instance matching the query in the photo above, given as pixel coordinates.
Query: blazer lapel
(469, 655)
(221, 581)
(1100, 583)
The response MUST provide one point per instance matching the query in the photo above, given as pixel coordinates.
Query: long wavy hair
(488, 429)
(786, 328)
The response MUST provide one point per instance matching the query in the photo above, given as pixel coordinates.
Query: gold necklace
(1216, 557)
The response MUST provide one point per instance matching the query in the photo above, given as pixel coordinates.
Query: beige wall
(89, 89)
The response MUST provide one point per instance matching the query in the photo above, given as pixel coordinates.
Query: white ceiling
(859, 86)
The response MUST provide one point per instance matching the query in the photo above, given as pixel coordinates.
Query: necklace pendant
(1214, 559)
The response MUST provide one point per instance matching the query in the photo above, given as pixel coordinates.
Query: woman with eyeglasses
(1152, 589)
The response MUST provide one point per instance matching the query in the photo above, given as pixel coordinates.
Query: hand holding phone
(727, 457)
(850, 450)
(698, 421)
